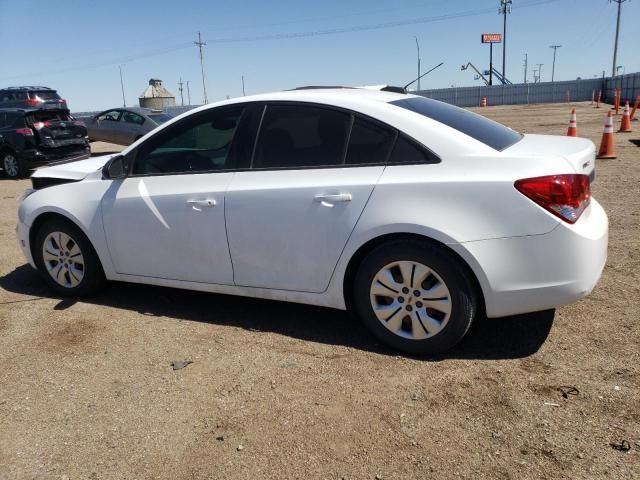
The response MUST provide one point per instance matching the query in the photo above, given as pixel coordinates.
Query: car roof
(27, 88)
(31, 110)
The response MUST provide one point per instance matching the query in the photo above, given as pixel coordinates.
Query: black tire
(5, 157)
(93, 276)
(463, 295)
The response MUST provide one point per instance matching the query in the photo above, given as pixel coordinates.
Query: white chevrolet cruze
(414, 214)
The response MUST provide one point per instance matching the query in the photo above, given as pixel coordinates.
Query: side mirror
(116, 168)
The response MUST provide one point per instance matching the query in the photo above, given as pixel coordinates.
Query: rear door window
(130, 117)
(406, 151)
(491, 133)
(299, 136)
(369, 143)
(110, 116)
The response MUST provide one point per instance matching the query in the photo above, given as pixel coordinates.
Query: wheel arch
(370, 245)
(44, 217)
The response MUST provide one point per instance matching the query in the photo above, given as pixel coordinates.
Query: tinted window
(487, 131)
(45, 95)
(406, 151)
(197, 144)
(369, 143)
(130, 117)
(301, 136)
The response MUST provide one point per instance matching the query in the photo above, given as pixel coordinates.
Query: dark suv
(32, 137)
(31, 97)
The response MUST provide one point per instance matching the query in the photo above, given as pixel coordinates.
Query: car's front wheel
(415, 296)
(66, 260)
(11, 165)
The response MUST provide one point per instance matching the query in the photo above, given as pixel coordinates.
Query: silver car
(124, 125)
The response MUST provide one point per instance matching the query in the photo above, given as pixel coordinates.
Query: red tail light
(33, 101)
(566, 196)
(25, 131)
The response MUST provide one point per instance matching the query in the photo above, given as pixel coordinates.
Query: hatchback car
(124, 126)
(34, 137)
(32, 97)
(412, 213)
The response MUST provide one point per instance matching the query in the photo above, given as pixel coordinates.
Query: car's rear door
(166, 220)
(290, 216)
(129, 128)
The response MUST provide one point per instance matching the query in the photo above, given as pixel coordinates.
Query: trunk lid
(580, 153)
(57, 128)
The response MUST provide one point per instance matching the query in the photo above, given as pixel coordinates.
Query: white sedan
(414, 214)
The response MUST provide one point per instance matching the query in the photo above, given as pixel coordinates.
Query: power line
(284, 36)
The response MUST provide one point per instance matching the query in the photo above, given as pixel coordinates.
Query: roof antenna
(414, 81)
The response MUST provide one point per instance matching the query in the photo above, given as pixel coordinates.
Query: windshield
(491, 133)
(160, 117)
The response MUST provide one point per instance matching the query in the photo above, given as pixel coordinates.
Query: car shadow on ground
(488, 339)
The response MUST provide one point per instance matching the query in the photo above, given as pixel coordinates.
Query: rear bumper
(538, 272)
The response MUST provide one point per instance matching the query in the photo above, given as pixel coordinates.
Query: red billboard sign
(491, 38)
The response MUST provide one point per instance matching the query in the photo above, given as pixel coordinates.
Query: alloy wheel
(63, 259)
(410, 299)
(10, 165)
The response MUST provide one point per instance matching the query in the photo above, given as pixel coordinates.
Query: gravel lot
(278, 390)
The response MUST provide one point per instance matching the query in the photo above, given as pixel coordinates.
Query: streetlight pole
(526, 57)
(505, 7)
(553, 68)
(418, 47)
(615, 48)
(124, 102)
(540, 71)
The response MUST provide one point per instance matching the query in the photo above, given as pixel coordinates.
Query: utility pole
(505, 7)
(540, 71)
(201, 44)
(188, 93)
(526, 58)
(553, 68)
(243, 93)
(615, 48)
(418, 47)
(180, 83)
(124, 102)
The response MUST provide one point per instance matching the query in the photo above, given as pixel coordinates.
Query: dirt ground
(278, 390)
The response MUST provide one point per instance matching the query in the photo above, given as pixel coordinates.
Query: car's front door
(103, 126)
(291, 215)
(166, 220)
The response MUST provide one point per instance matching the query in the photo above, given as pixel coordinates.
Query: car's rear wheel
(11, 165)
(415, 296)
(66, 260)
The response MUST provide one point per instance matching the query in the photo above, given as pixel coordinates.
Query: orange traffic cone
(635, 107)
(607, 149)
(625, 125)
(483, 102)
(572, 131)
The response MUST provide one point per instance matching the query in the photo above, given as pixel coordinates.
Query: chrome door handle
(328, 200)
(198, 204)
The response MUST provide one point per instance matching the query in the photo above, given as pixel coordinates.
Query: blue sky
(77, 46)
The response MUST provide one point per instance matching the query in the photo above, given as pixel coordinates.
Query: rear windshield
(491, 133)
(160, 117)
(44, 115)
(45, 95)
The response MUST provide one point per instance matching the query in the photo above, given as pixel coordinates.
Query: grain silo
(156, 96)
